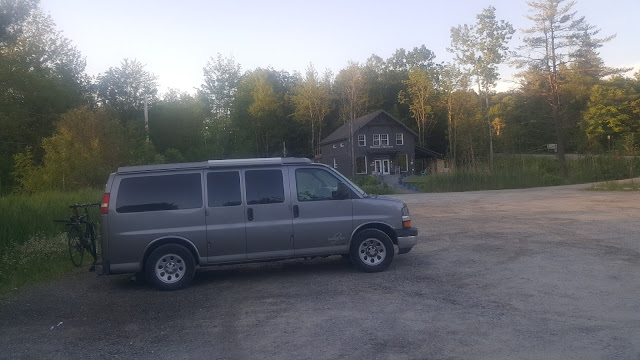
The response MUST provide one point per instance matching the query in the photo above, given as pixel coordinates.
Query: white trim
(384, 139)
(362, 138)
(335, 163)
(401, 139)
(374, 140)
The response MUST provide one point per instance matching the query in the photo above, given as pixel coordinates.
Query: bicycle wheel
(90, 236)
(76, 245)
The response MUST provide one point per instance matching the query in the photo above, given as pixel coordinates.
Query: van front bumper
(407, 239)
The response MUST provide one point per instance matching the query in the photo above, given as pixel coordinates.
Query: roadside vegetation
(32, 247)
(373, 186)
(616, 186)
(517, 173)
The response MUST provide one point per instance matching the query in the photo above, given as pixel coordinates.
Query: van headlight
(406, 218)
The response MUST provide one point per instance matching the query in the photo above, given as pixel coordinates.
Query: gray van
(166, 220)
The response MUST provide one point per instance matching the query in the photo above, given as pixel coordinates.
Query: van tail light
(104, 205)
(406, 222)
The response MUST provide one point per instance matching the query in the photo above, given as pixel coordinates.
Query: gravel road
(546, 273)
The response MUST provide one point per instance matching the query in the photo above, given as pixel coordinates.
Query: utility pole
(146, 118)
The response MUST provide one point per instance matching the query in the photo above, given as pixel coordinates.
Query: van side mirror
(343, 192)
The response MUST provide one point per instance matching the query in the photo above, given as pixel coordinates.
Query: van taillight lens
(104, 205)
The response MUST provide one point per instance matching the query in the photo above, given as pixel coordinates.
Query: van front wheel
(170, 267)
(372, 250)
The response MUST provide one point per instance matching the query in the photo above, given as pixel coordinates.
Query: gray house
(382, 145)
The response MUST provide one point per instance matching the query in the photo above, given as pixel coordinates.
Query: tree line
(64, 129)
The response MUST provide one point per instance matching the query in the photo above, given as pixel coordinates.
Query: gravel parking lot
(516, 274)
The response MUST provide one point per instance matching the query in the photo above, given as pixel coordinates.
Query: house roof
(342, 132)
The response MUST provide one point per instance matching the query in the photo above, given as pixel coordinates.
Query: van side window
(223, 189)
(264, 186)
(316, 184)
(157, 193)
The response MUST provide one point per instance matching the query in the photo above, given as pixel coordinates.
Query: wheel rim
(170, 268)
(372, 252)
(76, 250)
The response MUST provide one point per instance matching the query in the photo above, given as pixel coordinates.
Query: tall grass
(32, 246)
(524, 172)
(24, 216)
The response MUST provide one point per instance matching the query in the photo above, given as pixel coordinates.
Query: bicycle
(81, 234)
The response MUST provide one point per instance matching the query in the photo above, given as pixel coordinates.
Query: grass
(518, 173)
(32, 247)
(616, 186)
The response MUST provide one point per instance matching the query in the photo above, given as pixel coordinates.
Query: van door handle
(296, 211)
(250, 214)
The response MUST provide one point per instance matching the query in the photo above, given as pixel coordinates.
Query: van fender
(383, 226)
(172, 239)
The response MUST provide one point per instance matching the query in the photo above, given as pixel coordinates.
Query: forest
(62, 129)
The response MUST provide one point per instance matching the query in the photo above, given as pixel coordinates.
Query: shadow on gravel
(261, 271)
(252, 272)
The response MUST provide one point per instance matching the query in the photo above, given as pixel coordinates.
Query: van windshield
(346, 180)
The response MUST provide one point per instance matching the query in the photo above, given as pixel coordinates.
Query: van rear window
(158, 193)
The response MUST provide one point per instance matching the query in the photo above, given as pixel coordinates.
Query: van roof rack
(214, 163)
(258, 161)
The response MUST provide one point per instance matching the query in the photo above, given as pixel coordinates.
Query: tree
(312, 102)
(352, 90)
(418, 95)
(451, 80)
(550, 46)
(13, 13)
(84, 149)
(176, 125)
(125, 90)
(482, 47)
(41, 77)
(221, 79)
(610, 113)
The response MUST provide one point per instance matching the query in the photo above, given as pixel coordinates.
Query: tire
(372, 250)
(91, 241)
(75, 244)
(170, 267)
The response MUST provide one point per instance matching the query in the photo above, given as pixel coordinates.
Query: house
(382, 145)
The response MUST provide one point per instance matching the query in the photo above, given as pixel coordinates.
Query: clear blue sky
(175, 39)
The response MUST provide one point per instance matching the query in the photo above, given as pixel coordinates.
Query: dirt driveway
(516, 274)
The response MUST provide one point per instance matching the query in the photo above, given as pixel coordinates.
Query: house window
(341, 144)
(376, 139)
(384, 139)
(361, 165)
(335, 163)
(400, 139)
(362, 140)
(402, 162)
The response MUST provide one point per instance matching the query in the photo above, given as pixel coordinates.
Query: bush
(371, 185)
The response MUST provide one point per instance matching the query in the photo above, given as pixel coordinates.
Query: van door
(322, 220)
(269, 225)
(225, 217)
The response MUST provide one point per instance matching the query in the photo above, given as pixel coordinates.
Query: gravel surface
(547, 273)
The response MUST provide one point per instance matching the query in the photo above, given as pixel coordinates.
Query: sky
(176, 39)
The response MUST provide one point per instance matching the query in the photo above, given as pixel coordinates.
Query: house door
(385, 167)
(382, 166)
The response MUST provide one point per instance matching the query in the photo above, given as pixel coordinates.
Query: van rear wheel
(372, 250)
(170, 267)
